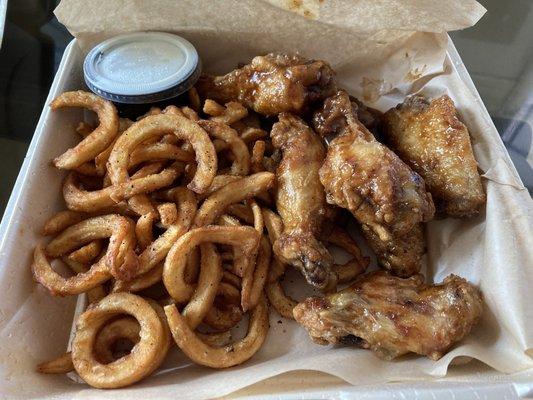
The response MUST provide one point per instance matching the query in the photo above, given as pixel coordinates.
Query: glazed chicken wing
(436, 144)
(381, 191)
(301, 201)
(394, 316)
(272, 84)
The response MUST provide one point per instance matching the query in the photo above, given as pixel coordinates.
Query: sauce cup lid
(142, 67)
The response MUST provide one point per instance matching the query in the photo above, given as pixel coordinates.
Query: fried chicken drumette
(272, 84)
(387, 198)
(394, 316)
(430, 138)
(301, 201)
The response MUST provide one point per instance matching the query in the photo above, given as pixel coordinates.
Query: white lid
(140, 63)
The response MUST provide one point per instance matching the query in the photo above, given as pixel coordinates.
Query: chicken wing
(272, 84)
(301, 201)
(436, 144)
(394, 316)
(381, 191)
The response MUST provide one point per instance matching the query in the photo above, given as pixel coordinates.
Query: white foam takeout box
(36, 196)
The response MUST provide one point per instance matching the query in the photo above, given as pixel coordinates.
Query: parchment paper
(381, 51)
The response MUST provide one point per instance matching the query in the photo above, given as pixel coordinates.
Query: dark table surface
(498, 53)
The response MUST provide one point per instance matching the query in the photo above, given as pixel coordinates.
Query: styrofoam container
(36, 196)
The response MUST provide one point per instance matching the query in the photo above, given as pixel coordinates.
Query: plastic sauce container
(142, 69)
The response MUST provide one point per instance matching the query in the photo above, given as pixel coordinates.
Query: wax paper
(381, 50)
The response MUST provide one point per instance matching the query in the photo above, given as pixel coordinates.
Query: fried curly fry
(146, 184)
(231, 278)
(254, 277)
(228, 356)
(351, 269)
(157, 126)
(99, 139)
(273, 224)
(274, 290)
(250, 135)
(225, 312)
(59, 365)
(274, 227)
(168, 214)
(100, 161)
(157, 251)
(78, 199)
(206, 289)
(59, 286)
(159, 151)
(87, 169)
(219, 182)
(141, 204)
(241, 162)
(233, 192)
(190, 113)
(228, 114)
(217, 339)
(126, 328)
(141, 282)
(83, 200)
(87, 253)
(253, 281)
(151, 111)
(246, 238)
(61, 221)
(258, 221)
(95, 294)
(241, 212)
(127, 370)
(143, 230)
(119, 258)
(279, 300)
(212, 108)
(120, 255)
(149, 271)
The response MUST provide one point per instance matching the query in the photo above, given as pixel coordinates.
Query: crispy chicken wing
(394, 316)
(436, 144)
(272, 84)
(301, 201)
(381, 191)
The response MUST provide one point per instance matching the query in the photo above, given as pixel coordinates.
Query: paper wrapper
(381, 51)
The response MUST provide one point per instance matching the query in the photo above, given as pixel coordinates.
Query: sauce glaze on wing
(362, 175)
(430, 138)
(394, 316)
(301, 201)
(272, 84)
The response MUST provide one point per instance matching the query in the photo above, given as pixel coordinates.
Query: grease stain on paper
(307, 8)
(415, 74)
